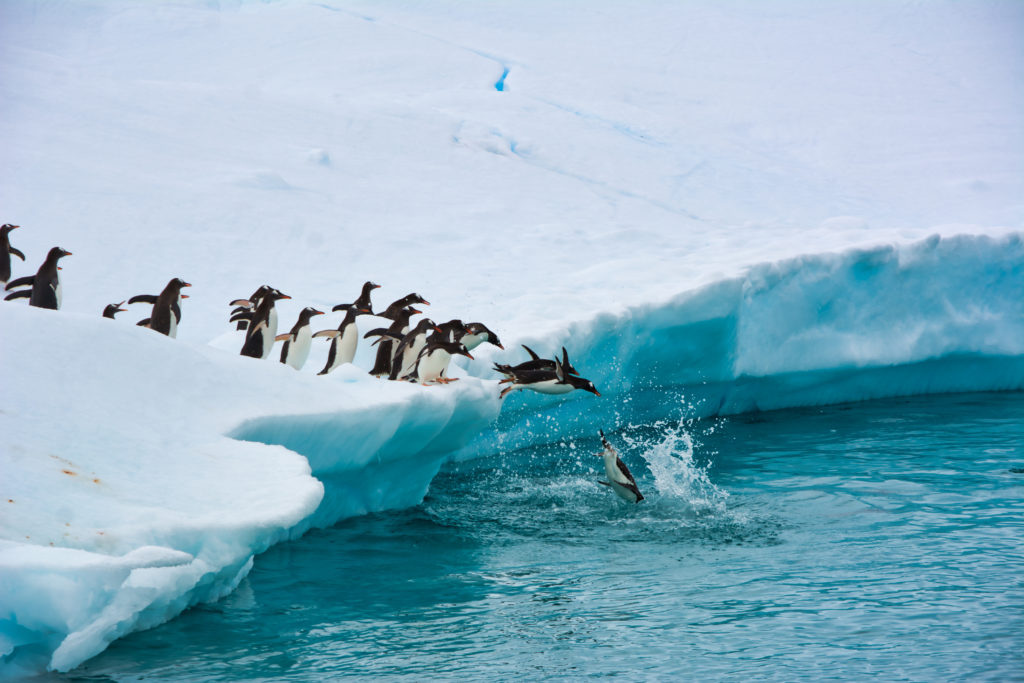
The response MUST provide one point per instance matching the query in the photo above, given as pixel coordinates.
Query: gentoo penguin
(545, 381)
(113, 309)
(46, 290)
(166, 307)
(408, 349)
(363, 301)
(434, 358)
(477, 334)
(262, 329)
(245, 307)
(295, 350)
(385, 349)
(6, 251)
(620, 479)
(344, 339)
(451, 331)
(537, 363)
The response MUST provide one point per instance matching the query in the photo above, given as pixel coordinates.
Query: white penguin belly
(57, 291)
(298, 348)
(347, 345)
(432, 365)
(172, 331)
(410, 355)
(471, 341)
(549, 386)
(270, 333)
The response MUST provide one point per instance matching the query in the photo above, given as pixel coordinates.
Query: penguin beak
(187, 284)
(366, 310)
(469, 355)
(318, 312)
(499, 346)
(437, 329)
(416, 311)
(184, 296)
(285, 296)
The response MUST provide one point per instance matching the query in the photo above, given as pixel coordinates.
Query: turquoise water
(882, 539)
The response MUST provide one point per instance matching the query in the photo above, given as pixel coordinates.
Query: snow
(717, 207)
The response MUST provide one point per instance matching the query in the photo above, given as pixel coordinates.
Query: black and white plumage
(344, 339)
(295, 349)
(262, 329)
(544, 376)
(113, 309)
(398, 311)
(478, 333)
(45, 289)
(407, 352)
(620, 479)
(434, 358)
(244, 308)
(362, 302)
(6, 252)
(166, 312)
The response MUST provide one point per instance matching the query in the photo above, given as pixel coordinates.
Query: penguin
(537, 363)
(245, 307)
(344, 339)
(46, 289)
(363, 300)
(262, 329)
(434, 358)
(408, 349)
(166, 312)
(451, 331)
(546, 381)
(620, 479)
(6, 252)
(113, 309)
(385, 349)
(477, 334)
(295, 349)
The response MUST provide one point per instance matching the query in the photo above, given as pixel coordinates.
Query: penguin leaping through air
(6, 252)
(295, 350)
(45, 289)
(544, 376)
(166, 308)
(620, 479)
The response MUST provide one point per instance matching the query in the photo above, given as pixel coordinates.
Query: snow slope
(718, 207)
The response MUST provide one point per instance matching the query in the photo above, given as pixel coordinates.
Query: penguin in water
(620, 479)
(408, 350)
(344, 339)
(166, 312)
(544, 380)
(6, 252)
(46, 290)
(262, 329)
(396, 312)
(113, 309)
(295, 350)
(477, 334)
(434, 358)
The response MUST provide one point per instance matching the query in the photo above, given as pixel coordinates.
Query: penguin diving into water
(45, 289)
(166, 308)
(544, 376)
(6, 252)
(295, 350)
(620, 479)
(344, 339)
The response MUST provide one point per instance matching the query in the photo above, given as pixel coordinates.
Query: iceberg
(823, 212)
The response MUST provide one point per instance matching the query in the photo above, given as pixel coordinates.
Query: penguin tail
(24, 294)
(21, 282)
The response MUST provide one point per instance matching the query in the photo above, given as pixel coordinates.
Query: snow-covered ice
(740, 206)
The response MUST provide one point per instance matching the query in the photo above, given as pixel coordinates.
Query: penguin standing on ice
(113, 309)
(434, 358)
(363, 300)
(46, 290)
(166, 312)
(344, 339)
(396, 312)
(245, 307)
(408, 350)
(6, 252)
(295, 350)
(620, 479)
(262, 328)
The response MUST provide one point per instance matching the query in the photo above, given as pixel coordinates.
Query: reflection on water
(872, 540)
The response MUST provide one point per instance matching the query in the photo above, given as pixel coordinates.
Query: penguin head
(7, 227)
(308, 312)
(56, 253)
(485, 333)
(176, 285)
(277, 294)
(580, 383)
(113, 309)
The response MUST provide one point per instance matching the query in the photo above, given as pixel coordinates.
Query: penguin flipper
(327, 333)
(17, 253)
(245, 303)
(533, 354)
(143, 299)
(283, 337)
(245, 316)
(21, 282)
(23, 294)
(603, 483)
(144, 322)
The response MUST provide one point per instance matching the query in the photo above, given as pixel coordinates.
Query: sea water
(876, 540)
